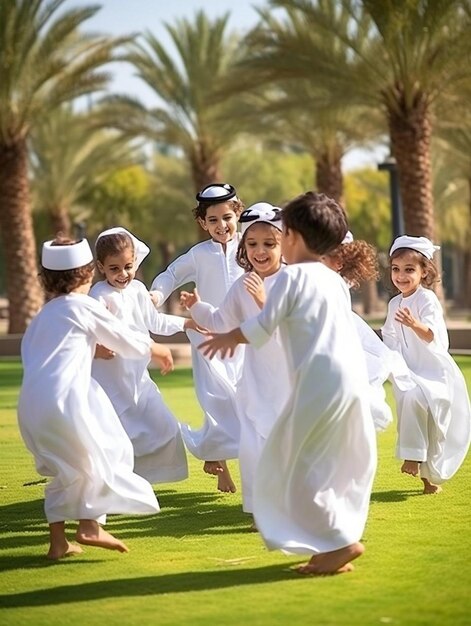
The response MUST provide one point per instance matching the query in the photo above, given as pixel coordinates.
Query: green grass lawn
(196, 563)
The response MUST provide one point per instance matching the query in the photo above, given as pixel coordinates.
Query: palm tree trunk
(16, 226)
(329, 178)
(60, 222)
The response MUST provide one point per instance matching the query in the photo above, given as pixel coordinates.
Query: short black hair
(320, 220)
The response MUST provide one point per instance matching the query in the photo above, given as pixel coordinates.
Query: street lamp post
(389, 165)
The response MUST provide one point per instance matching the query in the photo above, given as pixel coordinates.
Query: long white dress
(316, 470)
(263, 387)
(68, 422)
(434, 418)
(213, 272)
(159, 452)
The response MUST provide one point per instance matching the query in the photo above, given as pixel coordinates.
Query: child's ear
(202, 223)
(100, 267)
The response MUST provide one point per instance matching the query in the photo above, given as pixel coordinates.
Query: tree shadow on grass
(150, 586)
(394, 495)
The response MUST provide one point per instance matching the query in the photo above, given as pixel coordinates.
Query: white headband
(260, 212)
(67, 257)
(141, 250)
(419, 244)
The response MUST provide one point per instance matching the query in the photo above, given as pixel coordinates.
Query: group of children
(289, 378)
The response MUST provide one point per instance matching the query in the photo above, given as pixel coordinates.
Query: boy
(212, 266)
(315, 474)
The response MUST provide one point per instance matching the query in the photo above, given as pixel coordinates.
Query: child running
(264, 383)
(315, 473)
(159, 452)
(212, 266)
(65, 418)
(434, 418)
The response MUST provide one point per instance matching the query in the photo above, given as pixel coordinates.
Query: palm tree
(398, 56)
(46, 61)
(70, 156)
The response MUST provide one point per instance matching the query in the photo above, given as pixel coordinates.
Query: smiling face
(263, 249)
(220, 222)
(119, 269)
(406, 272)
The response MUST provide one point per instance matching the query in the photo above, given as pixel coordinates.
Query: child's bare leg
(213, 467)
(430, 488)
(90, 533)
(59, 547)
(335, 562)
(225, 482)
(411, 467)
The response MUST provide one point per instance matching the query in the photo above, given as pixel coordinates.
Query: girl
(154, 432)
(356, 261)
(212, 266)
(65, 417)
(264, 384)
(434, 417)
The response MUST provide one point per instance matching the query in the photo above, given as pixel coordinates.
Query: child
(316, 470)
(65, 417)
(263, 387)
(356, 261)
(212, 266)
(434, 417)
(154, 432)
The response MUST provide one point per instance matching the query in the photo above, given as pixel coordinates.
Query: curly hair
(61, 282)
(236, 205)
(241, 255)
(432, 275)
(358, 262)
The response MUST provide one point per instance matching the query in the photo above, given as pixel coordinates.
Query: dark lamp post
(389, 165)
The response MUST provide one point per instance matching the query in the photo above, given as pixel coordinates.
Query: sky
(122, 17)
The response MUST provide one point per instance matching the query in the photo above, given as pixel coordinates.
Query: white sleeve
(156, 322)
(223, 318)
(388, 331)
(178, 273)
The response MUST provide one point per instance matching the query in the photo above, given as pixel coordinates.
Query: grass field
(196, 563)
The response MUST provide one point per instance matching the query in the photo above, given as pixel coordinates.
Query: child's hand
(190, 324)
(162, 357)
(254, 285)
(103, 353)
(157, 298)
(404, 316)
(187, 300)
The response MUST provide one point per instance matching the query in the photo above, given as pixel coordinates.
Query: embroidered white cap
(260, 212)
(66, 257)
(141, 250)
(217, 193)
(419, 244)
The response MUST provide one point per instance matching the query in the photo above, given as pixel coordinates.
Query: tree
(46, 61)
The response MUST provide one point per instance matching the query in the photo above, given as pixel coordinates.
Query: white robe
(66, 419)
(316, 470)
(213, 272)
(263, 387)
(434, 419)
(159, 452)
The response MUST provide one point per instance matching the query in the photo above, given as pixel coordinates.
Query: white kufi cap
(69, 256)
(419, 244)
(348, 237)
(217, 193)
(141, 250)
(260, 212)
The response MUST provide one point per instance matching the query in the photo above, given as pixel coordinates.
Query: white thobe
(66, 419)
(213, 271)
(263, 387)
(159, 452)
(315, 473)
(434, 419)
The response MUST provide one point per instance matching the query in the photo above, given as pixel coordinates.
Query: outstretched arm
(225, 343)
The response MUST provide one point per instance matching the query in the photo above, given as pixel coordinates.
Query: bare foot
(213, 467)
(335, 562)
(411, 467)
(90, 533)
(61, 551)
(430, 488)
(225, 482)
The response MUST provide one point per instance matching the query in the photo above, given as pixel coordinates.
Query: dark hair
(359, 261)
(111, 245)
(61, 282)
(241, 256)
(236, 205)
(320, 221)
(431, 276)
